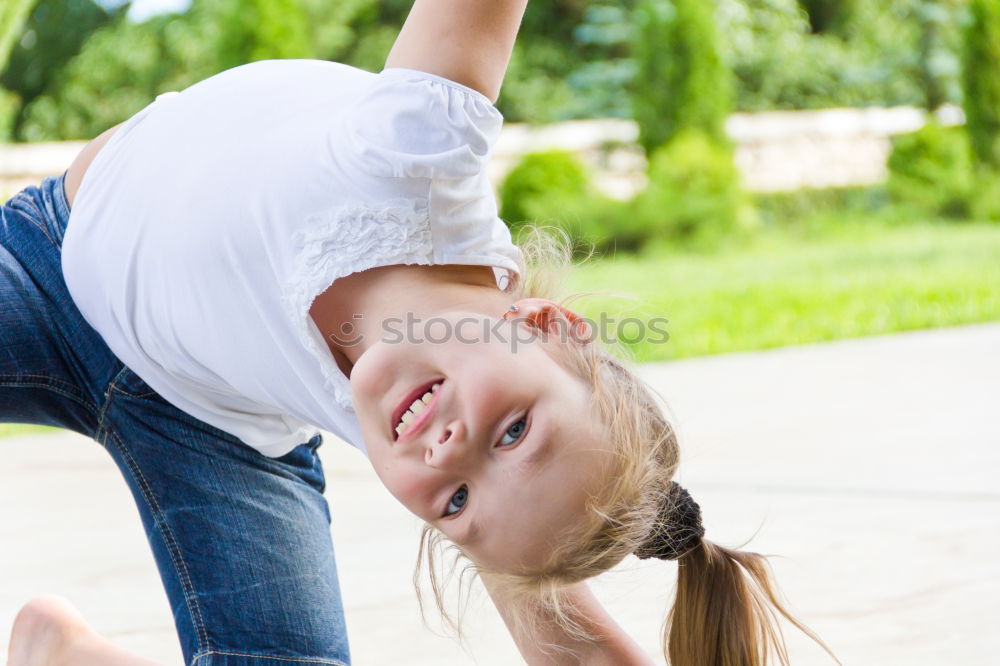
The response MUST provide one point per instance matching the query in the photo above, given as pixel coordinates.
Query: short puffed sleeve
(413, 124)
(420, 138)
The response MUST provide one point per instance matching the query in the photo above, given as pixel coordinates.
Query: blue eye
(516, 431)
(461, 496)
(457, 500)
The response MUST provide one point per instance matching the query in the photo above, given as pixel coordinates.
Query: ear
(549, 316)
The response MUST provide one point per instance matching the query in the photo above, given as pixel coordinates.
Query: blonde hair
(726, 608)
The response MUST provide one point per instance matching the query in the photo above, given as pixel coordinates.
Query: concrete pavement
(870, 466)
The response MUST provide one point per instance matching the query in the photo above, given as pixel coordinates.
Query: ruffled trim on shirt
(346, 240)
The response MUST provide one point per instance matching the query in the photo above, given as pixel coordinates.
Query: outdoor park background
(696, 196)
(764, 173)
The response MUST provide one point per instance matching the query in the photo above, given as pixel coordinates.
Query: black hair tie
(678, 528)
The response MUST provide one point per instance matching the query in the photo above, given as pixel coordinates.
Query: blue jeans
(242, 541)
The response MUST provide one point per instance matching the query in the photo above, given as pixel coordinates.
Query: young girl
(296, 245)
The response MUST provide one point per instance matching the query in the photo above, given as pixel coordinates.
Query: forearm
(612, 647)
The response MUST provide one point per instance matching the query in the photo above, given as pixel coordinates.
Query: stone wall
(775, 151)
(27, 163)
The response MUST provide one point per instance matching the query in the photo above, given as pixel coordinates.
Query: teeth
(419, 405)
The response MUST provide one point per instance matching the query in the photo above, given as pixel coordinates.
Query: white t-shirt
(206, 227)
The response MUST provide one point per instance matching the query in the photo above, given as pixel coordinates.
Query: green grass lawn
(17, 429)
(847, 281)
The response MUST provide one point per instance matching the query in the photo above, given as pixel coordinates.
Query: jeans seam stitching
(39, 214)
(180, 566)
(107, 396)
(113, 385)
(310, 660)
(54, 386)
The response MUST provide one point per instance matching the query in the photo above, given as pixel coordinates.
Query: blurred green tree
(125, 64)
(981, 77)
(13, 14)
(53, 34)
(932, 18)
(573, 59)
(334, 26)
(119, 70)
(601, 84)
(10, 104)
(681, 80)
(250, 30)
(828, 15)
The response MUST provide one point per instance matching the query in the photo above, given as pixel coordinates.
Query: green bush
(681, 81)
(982, 82)
(554, 188)
(806, 208)
(537, 177)
(986, 200)
(693, 197)
(931, 170)
(592, 220)
(10, 104)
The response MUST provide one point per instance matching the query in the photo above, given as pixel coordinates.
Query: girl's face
(504, 456)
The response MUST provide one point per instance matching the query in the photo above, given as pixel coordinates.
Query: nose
(451, 450)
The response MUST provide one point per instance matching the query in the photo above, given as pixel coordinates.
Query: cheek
(413, 489)
(376, 373)
(370, 376)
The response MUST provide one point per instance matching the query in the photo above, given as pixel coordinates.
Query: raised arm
(614, 647)
(466, 41)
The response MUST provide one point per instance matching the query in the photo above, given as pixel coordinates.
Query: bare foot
(44, 630)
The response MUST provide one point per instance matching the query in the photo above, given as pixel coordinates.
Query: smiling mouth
(411, 408)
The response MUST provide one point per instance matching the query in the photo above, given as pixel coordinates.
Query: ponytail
(727, 611)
